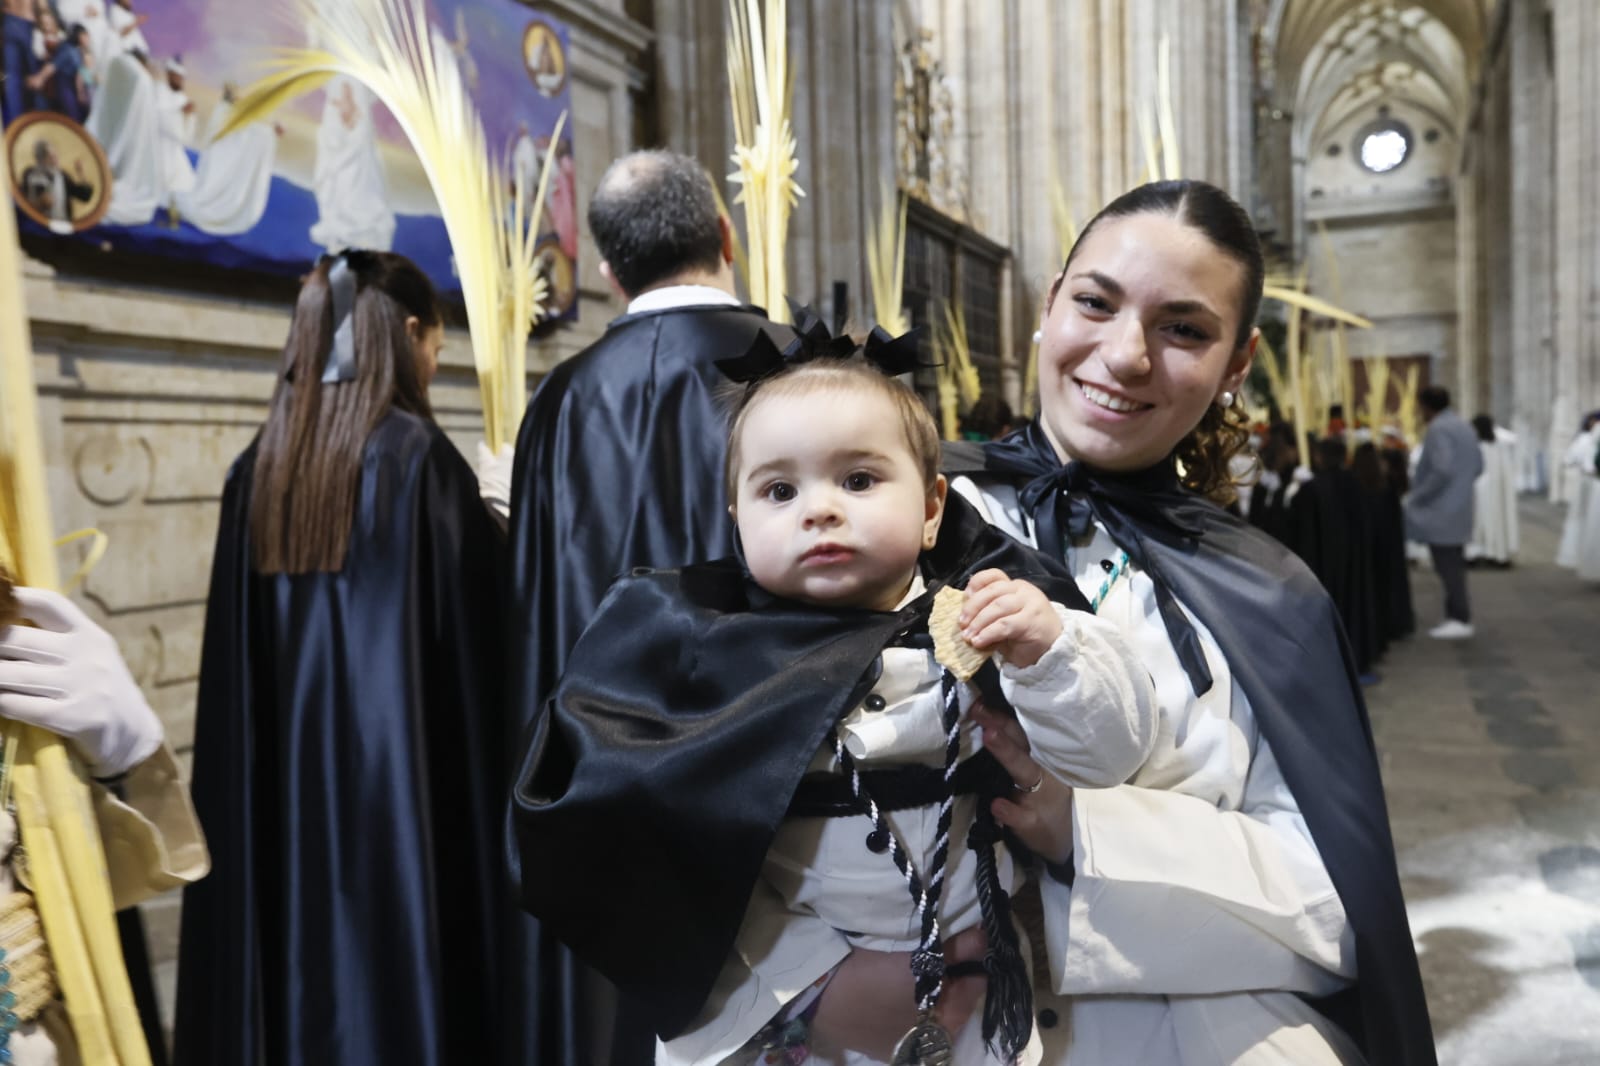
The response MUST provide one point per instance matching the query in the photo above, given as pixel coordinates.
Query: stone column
(1576, 134)
(1524, 384)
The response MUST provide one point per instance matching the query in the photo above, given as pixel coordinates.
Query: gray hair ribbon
(341, 365)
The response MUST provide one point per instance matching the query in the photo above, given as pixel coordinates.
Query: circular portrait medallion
(59, 174)
(545, 59)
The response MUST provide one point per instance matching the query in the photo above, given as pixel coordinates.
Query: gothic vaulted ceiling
(1331, 58)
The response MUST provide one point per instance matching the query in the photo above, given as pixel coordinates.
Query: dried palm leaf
(764, 154)
(389, 47)
(886, 264)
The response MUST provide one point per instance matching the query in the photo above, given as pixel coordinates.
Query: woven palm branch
(764, 154)
(886, 264)
(389, 47)
(1375, 410)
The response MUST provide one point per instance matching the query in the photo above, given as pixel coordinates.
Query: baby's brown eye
(780, 492)
(859, 482)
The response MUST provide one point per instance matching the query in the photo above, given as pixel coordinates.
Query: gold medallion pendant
(925, 1045)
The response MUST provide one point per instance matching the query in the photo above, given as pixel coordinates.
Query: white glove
(68, 677)
(1302, 474)
(494, 478)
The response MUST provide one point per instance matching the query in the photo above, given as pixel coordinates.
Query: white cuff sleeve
(1088, 705)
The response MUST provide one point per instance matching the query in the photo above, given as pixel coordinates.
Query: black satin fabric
(348, 774)
(1282, 639)
(668, 755)
(618, 465)
(1330, 527)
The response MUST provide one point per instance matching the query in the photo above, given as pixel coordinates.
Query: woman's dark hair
(1206, 453)
(1485, 427)
(308, 456)
(1368, 468)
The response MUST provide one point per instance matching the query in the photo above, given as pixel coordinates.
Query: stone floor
(1491, 754)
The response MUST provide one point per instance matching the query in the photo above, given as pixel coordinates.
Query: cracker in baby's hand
(950, 649)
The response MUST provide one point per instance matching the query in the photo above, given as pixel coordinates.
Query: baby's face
(830, 503)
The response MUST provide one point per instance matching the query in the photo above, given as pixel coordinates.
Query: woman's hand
(1041, 819)
(870, 1004)
(1009, 616)
(65, 674)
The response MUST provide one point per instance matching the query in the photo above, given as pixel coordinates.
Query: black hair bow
(891, 355)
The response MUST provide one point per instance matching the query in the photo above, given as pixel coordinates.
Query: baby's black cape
(662, 766)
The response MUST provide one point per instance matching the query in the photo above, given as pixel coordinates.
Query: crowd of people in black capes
(1342, 513)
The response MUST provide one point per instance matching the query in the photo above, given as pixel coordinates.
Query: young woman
(347, 732)
(1237, 902)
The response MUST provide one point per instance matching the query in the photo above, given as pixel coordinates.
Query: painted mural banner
(111, 110)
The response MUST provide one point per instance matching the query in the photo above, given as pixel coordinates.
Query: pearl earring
(1038, 335)
(1225, 401)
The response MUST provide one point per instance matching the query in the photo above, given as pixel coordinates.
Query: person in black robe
(1269, 506)
(1391, 581)
(619, 465)
(348, 759)
(1329, 527)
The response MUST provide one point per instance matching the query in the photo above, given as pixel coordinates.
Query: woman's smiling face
(1138, 339)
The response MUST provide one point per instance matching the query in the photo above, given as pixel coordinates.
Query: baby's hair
(802, 379)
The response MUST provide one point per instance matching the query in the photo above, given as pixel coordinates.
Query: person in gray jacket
(1440, 507)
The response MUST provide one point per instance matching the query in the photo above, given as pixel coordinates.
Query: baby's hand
(1011, 617)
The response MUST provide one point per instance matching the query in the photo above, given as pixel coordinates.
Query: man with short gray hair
(619, 459)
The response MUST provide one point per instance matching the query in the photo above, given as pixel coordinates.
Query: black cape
(618, 465)
(664, 763)
(1330, 527)
(1284, 644)
(347, 774)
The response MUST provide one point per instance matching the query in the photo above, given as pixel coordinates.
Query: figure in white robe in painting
(352, 199)
(1495, 529)
(126, 32)
(234, 178)
(125, 120)
(176, 123)
(524, 160)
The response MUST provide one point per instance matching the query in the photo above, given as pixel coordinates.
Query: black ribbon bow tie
(1064, 501)
(891, 355)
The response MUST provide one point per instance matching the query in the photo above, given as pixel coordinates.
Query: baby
(832, 478)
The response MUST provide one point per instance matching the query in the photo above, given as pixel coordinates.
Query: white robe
(126, 36)
(177, 130)
(352, 199)
(234, 178)
(126, 121)
(1495, 529)
(1087, 707)
(1577, 491)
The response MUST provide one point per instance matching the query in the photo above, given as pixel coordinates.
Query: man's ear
(725, 230)
(611, 281)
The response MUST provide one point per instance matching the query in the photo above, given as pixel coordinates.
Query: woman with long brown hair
(345, 737)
